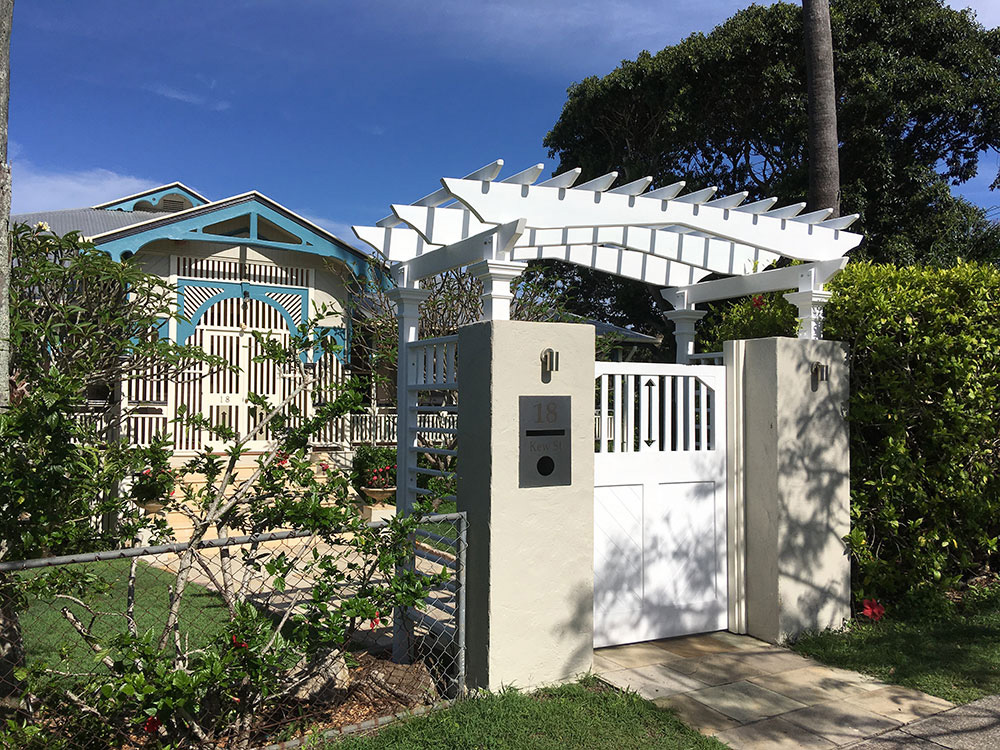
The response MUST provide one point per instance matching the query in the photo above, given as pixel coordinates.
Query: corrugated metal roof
(87, 221)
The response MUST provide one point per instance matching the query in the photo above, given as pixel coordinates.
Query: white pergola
(662, 237)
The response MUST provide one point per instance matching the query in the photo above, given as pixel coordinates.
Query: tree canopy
(918, 93)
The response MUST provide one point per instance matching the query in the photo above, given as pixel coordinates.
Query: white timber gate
(660, 564)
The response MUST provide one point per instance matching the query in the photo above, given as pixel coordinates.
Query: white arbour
(664, 237)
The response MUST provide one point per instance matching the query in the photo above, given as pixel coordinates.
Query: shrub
(925, 421)
(924, 416)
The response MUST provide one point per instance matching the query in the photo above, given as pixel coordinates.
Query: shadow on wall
(812, 578)
(663, 577)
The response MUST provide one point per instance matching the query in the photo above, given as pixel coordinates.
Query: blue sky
(333, 108)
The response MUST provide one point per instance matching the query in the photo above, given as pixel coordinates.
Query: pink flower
(872, 609)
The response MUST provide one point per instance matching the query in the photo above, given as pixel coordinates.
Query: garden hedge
(924, 416)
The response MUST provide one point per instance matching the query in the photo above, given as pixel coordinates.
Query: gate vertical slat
(602, 428)
(702, 415)
(629, 414)
(668, 412)
(616, 427)
(689, 443)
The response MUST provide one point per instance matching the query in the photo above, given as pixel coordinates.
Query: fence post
(797, 486)
(407, 301)
(530, 577)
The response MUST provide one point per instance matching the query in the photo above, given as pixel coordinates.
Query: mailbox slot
(545, 457)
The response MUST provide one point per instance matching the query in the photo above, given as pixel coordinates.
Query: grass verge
(103, 587)
(953, 654)
(585, 715)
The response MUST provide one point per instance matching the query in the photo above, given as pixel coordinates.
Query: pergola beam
(775, 280)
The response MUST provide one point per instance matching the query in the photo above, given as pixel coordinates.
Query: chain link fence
(240, 642)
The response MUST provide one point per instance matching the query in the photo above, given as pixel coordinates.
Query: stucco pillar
(684, 322)
(530, 567)
(796, 491)
(496, 276)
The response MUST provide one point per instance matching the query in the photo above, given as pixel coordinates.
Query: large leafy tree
(918, 92)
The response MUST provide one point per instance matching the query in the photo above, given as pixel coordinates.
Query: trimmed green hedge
(924, 415)
(925, 421)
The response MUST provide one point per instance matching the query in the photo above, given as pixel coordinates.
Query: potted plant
(152, 488)
(381, 483)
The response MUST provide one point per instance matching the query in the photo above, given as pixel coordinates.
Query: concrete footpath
(974, 726)
(755, 696)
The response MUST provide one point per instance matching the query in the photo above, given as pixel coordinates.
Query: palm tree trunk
(6, 19)
(824, 165)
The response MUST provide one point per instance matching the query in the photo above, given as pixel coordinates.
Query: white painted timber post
(810, 304)
(407, 301)
(496, 276)
(684, 321)
(810, 301)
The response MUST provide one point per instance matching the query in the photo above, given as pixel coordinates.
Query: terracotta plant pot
(379, 494)
(150, 506)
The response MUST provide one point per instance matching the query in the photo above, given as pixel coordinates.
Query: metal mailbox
(545, 458)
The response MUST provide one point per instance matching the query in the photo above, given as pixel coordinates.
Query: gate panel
(660, 502)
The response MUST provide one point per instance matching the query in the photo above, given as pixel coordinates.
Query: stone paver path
(752, 695)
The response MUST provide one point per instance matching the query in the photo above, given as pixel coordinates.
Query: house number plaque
(545, 458)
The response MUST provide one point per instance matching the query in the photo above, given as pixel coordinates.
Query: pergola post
(684, 321)
(496, 277)
(810, 304)
(407, 301)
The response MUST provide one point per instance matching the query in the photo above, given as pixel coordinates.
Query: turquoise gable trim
(192, 229)
(231, 289)
(154, 197)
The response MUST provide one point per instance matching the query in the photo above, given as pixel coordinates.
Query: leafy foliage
(924, 414)
(925, 421)
(82, 325)
(759, 316)
(918, 104)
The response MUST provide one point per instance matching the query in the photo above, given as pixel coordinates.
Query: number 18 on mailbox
(545, 457)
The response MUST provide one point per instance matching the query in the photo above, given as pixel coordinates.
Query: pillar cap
(685, 315)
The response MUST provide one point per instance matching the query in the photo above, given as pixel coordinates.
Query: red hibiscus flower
(377, 620)
(152, 725)
(871, 609)
(758, 302)
(239, 644)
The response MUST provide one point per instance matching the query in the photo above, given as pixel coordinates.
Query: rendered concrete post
(530, 568)
(796, 486)
(684, 322)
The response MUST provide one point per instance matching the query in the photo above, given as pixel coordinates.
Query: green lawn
(50, 638)
(955, 656)
(443, 528)
(585, 715)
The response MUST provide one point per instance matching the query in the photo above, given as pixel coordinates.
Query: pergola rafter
(664, 237)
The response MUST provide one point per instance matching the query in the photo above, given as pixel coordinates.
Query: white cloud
(36, 189)
(187, 97)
